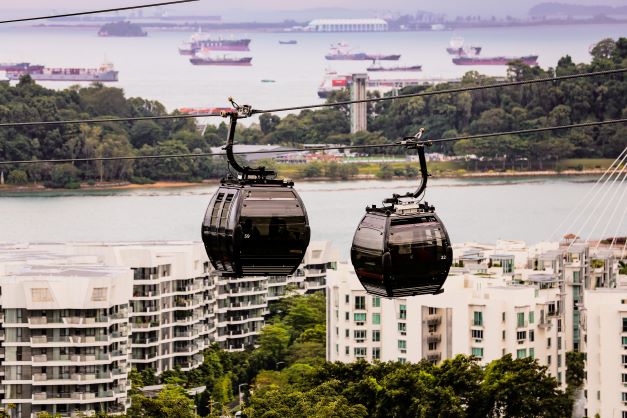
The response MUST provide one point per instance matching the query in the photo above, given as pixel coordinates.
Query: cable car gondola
(402, 248)
(255, 225)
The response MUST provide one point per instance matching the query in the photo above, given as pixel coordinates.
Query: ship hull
(243, 62)
(529, 60)
(412, 68)
(108, 76)
(361, 57)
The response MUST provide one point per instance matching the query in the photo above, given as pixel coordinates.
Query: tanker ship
(341, 52)
(104, 73)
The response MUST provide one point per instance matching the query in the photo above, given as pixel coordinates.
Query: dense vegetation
(446, 115)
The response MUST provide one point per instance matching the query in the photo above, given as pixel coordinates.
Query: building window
(346, 316)
(433, 311)
(559, 343)
(402, 360)
(521, 335)
(402, 312)
(559, 325)
(532, 316)
(376, 335)
(346, 350)
(624, 324)
(360, 335)
(376, 318)
(624, 359)
(575, 277)
(532, 335)
(624, 377)
(360, 352)
(532, 352)
(522, 353)
(337, 348)
(503, 317)
(360, 317)
(402, 327)
(520, 319)
(41, 295)
(402, 344)
(477, 333)
(559, 377)
(347, 299)
(504, 335)
(376, 353)
(347, 333)
(433, 346)
(376, 302)
(360, 302)
(548, 342)
(559, 360)
(477, 352)
(478, 318)
(548, 360)
(99, 294)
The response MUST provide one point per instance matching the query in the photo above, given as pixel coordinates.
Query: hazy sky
(450, 7)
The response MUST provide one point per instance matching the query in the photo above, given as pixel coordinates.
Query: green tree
(18, 177)
(171, 402)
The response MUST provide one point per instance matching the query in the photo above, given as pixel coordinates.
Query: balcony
(434, 321)
(434, 338)
(434, 358)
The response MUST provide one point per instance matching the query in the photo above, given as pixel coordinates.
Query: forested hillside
(446, 115)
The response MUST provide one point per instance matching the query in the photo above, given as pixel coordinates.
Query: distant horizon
(277, 10)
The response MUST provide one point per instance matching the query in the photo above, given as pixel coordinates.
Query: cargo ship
(334, 82)
(457, 48)
(341, 52)
(209, 111)
(528, 59)
(224, 60)
(122, 29)
(200, 41)
(104, 73)
(290, 42)
(409, 68)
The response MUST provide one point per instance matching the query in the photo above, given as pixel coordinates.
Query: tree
(18, 177)
(145, 132)
(63, 175)
(171, 402)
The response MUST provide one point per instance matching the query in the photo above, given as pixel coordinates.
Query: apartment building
(478, 314)
(172, 302)
(66, 337)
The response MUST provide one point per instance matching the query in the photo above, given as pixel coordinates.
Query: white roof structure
(348, 25)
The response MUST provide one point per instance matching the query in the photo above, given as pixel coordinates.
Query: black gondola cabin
(256, 229)
(402, 250)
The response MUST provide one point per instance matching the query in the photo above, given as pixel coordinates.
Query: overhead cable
(321, 148)
(92, 12)
(320, 105)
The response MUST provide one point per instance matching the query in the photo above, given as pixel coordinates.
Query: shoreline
(36, 188)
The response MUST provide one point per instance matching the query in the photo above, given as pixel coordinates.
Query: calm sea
(473, 210)
(152, 68)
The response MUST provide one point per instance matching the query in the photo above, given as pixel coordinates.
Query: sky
(250, 8)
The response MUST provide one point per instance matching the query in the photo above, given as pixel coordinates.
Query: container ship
(224, 60)
(528, 59)
(199, 41)
(104, 73)
(341, 52)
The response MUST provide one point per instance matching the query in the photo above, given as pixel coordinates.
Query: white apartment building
(478, 315)
(66, 335)
(604, 339)
(172, 302)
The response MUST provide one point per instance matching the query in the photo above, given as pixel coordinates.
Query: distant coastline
(122, 185)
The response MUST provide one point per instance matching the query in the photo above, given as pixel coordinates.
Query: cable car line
(584, 199)
(598, 201)
(614, 211)
(436, 92)
(608, 203)
(339, 147)
(320, 105)
(117, 9)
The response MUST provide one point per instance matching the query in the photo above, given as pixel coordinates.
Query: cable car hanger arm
(241, 112)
